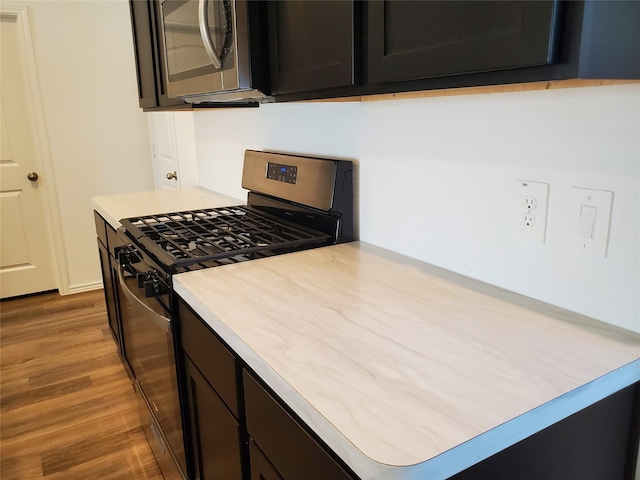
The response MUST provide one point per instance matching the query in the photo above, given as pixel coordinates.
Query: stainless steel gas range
(294, 203)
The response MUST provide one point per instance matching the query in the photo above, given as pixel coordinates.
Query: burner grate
(214, 234)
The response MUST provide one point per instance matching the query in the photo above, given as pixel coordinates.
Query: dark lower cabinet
(312, 45)
(291, 451)
(107, 243)
(109, 294)
(241, 430)
(597, 443)
(216, 362)
(215, 433)
(225, 406)
(214, 416)
(421, 39)
(261, 468)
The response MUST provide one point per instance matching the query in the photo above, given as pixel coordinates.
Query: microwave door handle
(160, 321)
(205, 33)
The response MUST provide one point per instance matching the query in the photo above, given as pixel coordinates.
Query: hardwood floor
(67, 407)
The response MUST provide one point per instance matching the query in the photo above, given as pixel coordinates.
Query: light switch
(587, 221)
(591, 214)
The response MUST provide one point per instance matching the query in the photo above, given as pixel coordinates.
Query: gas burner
(222, 235)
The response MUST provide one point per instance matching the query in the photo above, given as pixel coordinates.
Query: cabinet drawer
(261, 468)
(212, 358)
(112, 237)
(291, 450)
(101, 227)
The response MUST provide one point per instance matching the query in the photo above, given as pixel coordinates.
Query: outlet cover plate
(531, 199)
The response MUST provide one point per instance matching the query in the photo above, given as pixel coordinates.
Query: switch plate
(531, 200)
(588, 217)
(591, 217)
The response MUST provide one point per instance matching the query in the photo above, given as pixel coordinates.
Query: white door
(165, 151)
(172, 136)
(26, 254)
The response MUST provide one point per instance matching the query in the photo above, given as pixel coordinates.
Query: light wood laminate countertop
(114, 208)
(406, 370)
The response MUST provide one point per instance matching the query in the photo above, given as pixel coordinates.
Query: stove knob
(153, 285)
(149, 288)
(141, 277)
(161, 289)
(127, 256)
(123, 258)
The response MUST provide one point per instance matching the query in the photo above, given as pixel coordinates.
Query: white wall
(436, 180)
(97, 134)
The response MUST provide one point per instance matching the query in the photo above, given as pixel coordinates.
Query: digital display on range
(282, 173)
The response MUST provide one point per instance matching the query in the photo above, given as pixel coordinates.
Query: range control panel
(282, 173)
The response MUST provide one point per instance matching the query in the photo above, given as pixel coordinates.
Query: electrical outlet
(530, 203)
(531, 200)
(529, 220)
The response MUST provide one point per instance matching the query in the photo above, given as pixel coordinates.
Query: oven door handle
(205, 33)
(160, 321)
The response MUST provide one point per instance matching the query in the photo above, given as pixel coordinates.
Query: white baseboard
(87, 287)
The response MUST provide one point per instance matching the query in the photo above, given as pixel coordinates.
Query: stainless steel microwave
(214, 50)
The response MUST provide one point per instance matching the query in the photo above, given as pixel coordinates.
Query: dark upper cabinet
(421, 39)
(144, 52)
(609, 44)
(337, 48)
(312, 45)
(397, 46)
(150, 62)
(424, 45)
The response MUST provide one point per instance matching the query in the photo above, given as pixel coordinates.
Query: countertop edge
(447, 463)
(217, 200)
(529, 423)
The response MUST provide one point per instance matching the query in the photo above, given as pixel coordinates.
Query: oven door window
(189, 53)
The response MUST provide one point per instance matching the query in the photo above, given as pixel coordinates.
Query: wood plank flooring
(67, 408)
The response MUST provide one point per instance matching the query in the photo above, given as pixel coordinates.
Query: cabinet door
(215, 434)
(150, 61)
(261, 468)
(144, 52)
(109, 294)
(421, 39)
(312, 45)
(292, 451)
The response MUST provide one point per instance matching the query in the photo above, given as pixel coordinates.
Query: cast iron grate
(221, 235)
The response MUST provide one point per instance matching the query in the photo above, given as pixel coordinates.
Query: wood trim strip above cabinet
(450, 92)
